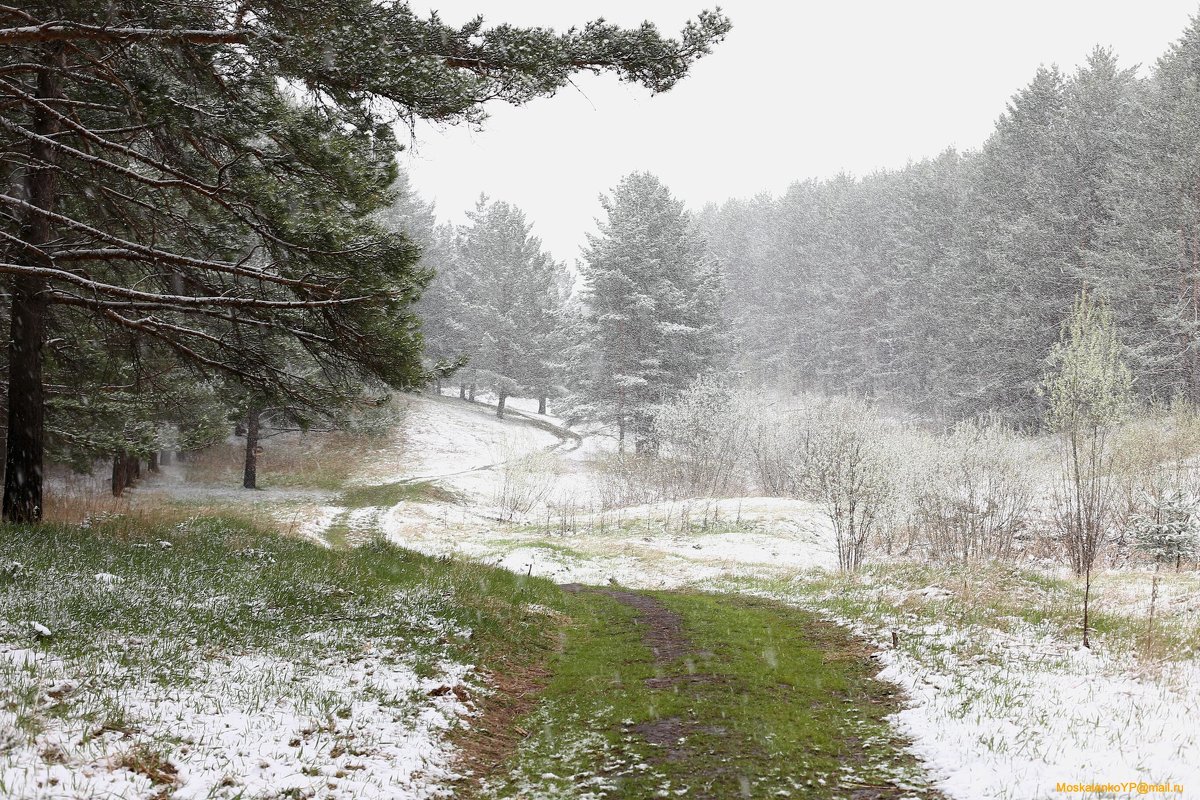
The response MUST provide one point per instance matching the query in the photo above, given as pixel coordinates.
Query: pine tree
(173, 181)
(653, 307)
(511, 287)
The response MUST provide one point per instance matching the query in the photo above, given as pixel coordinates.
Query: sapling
(1167, 531)
(1089, 388)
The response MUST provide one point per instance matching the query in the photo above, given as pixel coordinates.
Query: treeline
(190, 219)
(944, 285)
(940, 288)
(639, 323)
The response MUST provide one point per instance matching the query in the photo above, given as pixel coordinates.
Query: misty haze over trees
(419, 509)
(939, 288)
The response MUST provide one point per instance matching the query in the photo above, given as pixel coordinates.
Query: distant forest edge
(941, 287)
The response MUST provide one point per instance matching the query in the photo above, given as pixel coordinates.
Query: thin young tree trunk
(250, 474)
(462, 391)
(471, 393)
(542, 405)
(27, 321)
(500, 405)
(1087, 601)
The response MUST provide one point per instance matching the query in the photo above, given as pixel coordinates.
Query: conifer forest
(866, 483)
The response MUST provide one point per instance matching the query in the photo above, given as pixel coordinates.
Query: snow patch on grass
(247, 726)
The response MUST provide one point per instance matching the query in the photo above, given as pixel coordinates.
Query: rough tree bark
(250, 474)
(118, 475)
(500, 404)
(27, 327)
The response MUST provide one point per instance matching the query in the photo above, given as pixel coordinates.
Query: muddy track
(663, 628)
(673, 739)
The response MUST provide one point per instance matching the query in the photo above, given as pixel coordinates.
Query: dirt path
(705, 687)
(662, 628)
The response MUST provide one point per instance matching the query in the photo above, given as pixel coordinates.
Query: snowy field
(1002, 702)
(250, 727)
(1000, 707)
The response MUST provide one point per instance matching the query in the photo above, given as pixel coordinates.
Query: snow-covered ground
(999, 707)
(1005, 711)
(249, 727)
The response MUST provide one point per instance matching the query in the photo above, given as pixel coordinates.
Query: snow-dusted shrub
(526, 479)
(774, 443)
(1168, 527)
(1153, 453)
(627, 479)
(848, 464)
(973, 492)
(702, 436)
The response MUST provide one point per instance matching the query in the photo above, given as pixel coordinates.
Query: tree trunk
(471, 393)
(500, 404)
(1087, 598)
(462, 391)
(118, 475)
(250, 475)
(165, 459)
(130, 470)
(27, 326)
(137, 468)
(152, 462)
(542, 405)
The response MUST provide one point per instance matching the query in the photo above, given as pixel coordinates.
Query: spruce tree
(652, 301)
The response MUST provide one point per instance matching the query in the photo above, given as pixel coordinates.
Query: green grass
(389, 494)
(213, 589)
(771, 703)
(218, 582)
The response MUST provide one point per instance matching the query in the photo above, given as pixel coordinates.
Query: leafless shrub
(972, 492)
(702, 437)
(526, 479)
(847, 465)
(625, 479)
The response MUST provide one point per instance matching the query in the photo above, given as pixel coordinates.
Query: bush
(847, 465)
(974, 493)
(701, 438)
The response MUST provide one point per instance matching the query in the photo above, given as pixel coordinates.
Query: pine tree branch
(175, 299)
(63, 31)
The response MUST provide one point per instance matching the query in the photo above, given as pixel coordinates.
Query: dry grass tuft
(314, 460)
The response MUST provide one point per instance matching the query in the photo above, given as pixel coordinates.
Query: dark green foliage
(651, 317)
(204, 177)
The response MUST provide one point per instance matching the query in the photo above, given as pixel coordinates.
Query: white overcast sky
(799, 89)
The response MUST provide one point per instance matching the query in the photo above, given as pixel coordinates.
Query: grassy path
(706, 696)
